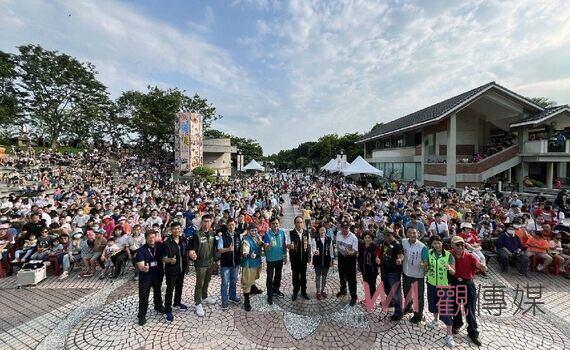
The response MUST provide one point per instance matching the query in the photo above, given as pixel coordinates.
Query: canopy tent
(326, 166)
(361, 166)
(338, 165)
(253, 165)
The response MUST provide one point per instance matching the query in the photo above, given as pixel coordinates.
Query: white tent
(361, 166)
(339, 164)
(253, 165)
(326, 166)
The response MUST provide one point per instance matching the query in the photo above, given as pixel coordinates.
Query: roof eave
(538, 121)
(454, 109)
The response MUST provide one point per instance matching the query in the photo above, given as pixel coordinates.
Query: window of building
(409, 172)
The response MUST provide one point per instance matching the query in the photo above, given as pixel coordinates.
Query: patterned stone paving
(92, 314)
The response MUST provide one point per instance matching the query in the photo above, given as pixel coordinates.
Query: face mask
(511, 232)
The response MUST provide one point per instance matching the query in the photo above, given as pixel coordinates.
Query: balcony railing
(546, 147)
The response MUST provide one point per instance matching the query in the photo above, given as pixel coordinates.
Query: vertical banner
(188, 141)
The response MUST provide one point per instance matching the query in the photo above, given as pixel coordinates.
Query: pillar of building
(561, 171)
(522, 172)
(549, 174)
(451, 150)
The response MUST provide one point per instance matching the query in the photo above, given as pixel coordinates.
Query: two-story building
(485, 134)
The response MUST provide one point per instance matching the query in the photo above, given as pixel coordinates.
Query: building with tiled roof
(487, 134)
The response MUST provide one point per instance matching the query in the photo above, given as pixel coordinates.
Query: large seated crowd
(94, 210)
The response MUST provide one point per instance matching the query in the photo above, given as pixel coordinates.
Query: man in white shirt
(347, 247)
(439, 227)
(415, 258)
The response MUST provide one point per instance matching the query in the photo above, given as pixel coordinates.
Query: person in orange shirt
(522, 234)
(538, 246)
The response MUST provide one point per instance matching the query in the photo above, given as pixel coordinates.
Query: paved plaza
(92, 314)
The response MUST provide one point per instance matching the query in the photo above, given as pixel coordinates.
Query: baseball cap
(457, 239)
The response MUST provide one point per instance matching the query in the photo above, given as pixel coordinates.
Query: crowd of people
(102, 214)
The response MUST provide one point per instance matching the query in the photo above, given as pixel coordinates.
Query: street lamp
(239, 160)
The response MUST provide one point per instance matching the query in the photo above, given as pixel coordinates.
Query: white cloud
(354, 63)
(339, 66)
(131, 47)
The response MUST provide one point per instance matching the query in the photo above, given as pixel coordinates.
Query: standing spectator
(392, 255)
(299, 254)
(466, 266)
(229, 247)
(149, 264)
(440, 263)
(368, 262)
(347, 246)
(173, 256)
(202, 252)
(415, 258)
(275, 246)
(251, 262)
(323, 259)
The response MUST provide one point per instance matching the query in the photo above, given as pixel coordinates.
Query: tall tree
(9, 95)
(151, 114)
(543, 102)
(62, 93)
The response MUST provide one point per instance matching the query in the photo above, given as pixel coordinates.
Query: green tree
(62, 94)
(203, 171)
(543, 102)
(151, 114)
(9, 95)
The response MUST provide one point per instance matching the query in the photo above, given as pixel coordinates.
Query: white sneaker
(64, 274)
(209, 301)
(431, 324)
(200, 310)
(449, 341)
(540, 267)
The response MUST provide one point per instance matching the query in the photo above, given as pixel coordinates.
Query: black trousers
(370, 278)
(299, 271)
(347, 273)
(273, 281)
(144, 293)
(174, 284)
(119, 260)
(470, 308)
(408, 282)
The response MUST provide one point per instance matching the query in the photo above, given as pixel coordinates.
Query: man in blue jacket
(275, 245)
(509, 247)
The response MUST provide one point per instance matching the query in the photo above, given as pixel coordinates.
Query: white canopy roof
(337, 165)
(361, 166)
(326, 166)
(253, 165)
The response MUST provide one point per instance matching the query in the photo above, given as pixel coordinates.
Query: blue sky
(285, 72)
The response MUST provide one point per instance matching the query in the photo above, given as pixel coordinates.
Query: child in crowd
(111, 249)
(555, 250)
(27, 249)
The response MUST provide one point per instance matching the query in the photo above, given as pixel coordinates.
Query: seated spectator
(27, 250)
(556, 251)
(509, 248)
(73, 253)
(111, 249)
(472, 242)
(538, 246)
